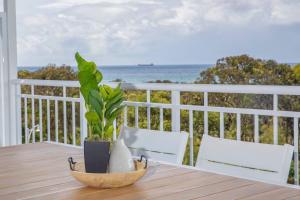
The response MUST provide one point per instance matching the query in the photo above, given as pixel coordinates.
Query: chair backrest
(156, 145)
(265, 162)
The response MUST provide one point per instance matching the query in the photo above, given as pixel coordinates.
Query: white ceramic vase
(120, 158)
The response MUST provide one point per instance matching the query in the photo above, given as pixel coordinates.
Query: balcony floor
(41, 171)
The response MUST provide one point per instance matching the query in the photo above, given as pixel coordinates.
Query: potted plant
(103, 105)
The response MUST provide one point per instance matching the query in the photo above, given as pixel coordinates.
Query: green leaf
(114, 106)
(108, 89)
(92, 117)
(86, 88)
(80, 61)
(95, 94)
(90, 66)
(109, 131)
(85, 91)
(114, 100)
(84, 65)
(114, 92)
(98, 76)
(84, 77)
(114, 115)
(103, 92)
(96, 102)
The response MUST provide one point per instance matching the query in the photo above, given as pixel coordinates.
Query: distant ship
(146, 65)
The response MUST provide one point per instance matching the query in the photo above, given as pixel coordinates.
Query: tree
(244, 69)
(50, 72)
(296, 70)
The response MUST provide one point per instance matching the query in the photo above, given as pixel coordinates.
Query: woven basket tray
(108, 180)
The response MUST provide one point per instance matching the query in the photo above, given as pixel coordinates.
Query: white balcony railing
(48, 105)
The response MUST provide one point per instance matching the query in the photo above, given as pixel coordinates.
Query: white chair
(264, 162)
(156, 145)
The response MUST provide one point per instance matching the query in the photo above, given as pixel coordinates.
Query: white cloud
(110, 29)
(285, 12)
(61, 4)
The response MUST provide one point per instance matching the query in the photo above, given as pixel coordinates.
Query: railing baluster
(48, 120)
(205, 113)
(32, 115)
(83, 122)
(56, 120)
(125, 116)
(175, 97)
(65, 115)
(191, 129)
(161, 119)
(136, 108)
(19, 114)
(238, 126)
(221, 124)
(148, 110)
(26, 121)
(73, 123)
(296, 150)
(275, 119)
(41, 119)
(256, 128)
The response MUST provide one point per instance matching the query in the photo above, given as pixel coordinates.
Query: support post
(4, 128)
(8, 74)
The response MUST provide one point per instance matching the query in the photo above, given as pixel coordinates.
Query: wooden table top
(41, 171)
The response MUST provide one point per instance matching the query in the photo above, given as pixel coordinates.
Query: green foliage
(244, 69)
(296, 70)
(50, 72)
(103, 103)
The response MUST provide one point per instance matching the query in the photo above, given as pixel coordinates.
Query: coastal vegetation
(239, 70)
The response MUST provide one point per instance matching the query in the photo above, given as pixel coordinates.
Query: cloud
(198, 15)
(62, 4)
(115, 31)
(285, 12)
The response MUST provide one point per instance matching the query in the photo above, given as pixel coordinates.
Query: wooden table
(40, 171)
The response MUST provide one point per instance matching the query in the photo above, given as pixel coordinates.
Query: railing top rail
(214, 88)
(54, 83)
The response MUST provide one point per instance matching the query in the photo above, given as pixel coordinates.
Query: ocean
(142, 74)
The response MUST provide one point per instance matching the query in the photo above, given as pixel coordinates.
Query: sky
(125, 32)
